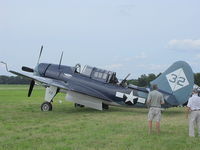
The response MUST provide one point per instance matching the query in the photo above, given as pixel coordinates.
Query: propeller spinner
(27, 69)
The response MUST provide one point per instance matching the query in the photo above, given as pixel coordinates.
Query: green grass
(24, 126)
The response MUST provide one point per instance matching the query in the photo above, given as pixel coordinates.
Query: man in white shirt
(193, 107)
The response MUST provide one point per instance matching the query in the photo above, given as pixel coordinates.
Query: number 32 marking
(179, 80)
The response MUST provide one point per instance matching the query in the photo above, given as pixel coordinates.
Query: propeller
(40, 55)
(27, 69)
(31, 87)
(60, 60)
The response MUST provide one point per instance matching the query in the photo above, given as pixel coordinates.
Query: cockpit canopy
(100, 74)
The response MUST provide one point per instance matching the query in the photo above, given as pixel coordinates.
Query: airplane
(98, 88)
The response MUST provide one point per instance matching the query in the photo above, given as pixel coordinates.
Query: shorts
(154, 114)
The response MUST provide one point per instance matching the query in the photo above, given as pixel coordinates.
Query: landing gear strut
(46, 106)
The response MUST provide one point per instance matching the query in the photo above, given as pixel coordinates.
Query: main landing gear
(46, 106)
(49, 95)
(78, 105)
(105, 106)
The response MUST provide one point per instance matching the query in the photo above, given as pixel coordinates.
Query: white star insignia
(130, 97)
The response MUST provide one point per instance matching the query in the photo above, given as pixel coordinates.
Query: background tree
(13, 80)
(197, 79)
(143, 80)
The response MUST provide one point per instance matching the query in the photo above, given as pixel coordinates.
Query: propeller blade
(31, 87)
(60, 60)
(40, 54)
(27, 69)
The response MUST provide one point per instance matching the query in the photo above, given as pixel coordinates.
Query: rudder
(177, 80)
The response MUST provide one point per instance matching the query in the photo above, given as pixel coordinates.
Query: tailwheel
(46, 106)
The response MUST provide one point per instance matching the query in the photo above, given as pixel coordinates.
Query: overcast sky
(126, 36)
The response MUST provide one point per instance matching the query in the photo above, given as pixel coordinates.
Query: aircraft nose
(42, 67)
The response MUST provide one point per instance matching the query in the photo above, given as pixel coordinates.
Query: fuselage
(96, 83)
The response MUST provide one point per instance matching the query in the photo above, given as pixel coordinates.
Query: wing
(46, 81)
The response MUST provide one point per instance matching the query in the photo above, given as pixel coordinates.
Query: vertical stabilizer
(177, 80)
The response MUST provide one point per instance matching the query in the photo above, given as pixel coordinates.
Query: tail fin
(178, 81)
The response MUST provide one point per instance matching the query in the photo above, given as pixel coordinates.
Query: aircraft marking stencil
(129, 97)
(177, 79)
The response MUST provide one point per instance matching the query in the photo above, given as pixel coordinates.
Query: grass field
(24, 126)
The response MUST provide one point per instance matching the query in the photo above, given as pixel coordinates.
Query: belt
(155, 107)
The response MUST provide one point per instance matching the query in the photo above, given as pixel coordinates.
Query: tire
(46, 106)
(75, 105)
(105, 106)
(78, 105)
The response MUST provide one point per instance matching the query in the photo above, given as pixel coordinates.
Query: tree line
(142, 81)
(13, 80)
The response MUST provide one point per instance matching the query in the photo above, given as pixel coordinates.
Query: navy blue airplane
(97, 88)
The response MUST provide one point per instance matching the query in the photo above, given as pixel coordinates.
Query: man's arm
(188, 109)
(148, 99)
(162, 100)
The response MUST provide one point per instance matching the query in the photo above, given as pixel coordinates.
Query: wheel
(75, 105)
(78, 105)
(105, 106)
(46, 106)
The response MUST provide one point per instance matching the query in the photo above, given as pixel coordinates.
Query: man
(193, 107)
(154, 100)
